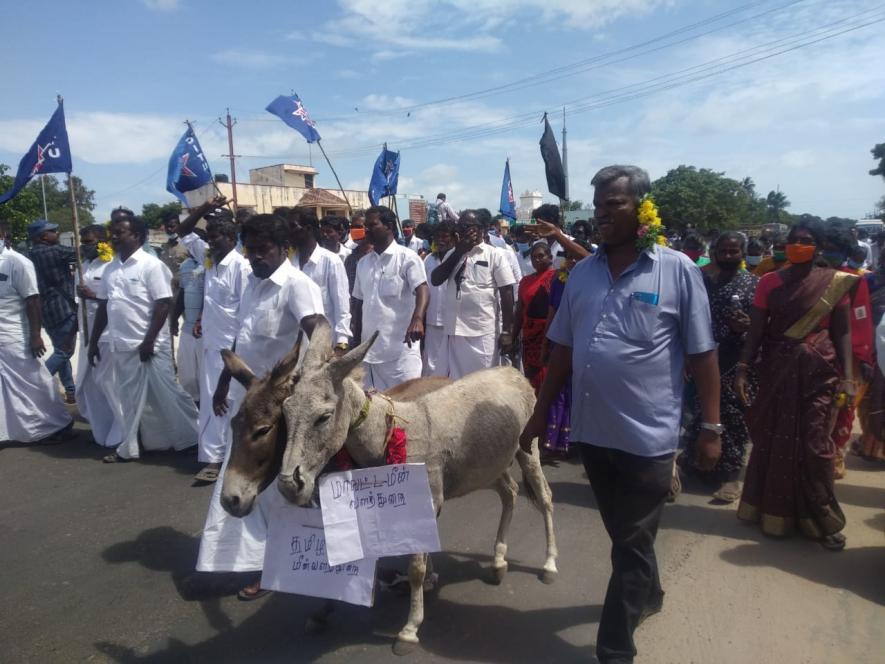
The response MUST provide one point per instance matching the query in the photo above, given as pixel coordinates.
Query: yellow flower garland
(105, 252)
(650, 227)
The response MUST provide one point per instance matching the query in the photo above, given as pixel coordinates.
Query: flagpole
(332, 168)
(43, 189)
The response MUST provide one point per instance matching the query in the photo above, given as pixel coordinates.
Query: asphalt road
(97, 566)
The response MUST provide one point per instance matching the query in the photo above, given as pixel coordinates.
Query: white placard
(375, 512)
(295, 560)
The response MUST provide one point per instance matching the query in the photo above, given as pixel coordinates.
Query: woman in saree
(838, 249)
(530, 321)
(871, 445)
(730, 290)
(800, 328)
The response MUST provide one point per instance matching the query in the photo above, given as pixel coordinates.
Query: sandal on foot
(834, 542)
(729, 492)
(247, 594)
(208, 474)
(115, 458)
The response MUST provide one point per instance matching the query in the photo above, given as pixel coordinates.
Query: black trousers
(630, 492)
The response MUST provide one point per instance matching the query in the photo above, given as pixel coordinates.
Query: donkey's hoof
(548, 576)
(401, 647)
(498, 574)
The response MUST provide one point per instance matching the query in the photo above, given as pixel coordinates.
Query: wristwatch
(718, 429)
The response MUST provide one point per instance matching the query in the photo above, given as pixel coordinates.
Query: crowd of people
(741, 361)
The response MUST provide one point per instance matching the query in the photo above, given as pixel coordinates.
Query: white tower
(528, 202)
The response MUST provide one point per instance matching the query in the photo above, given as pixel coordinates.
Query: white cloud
(162, 5)
(247, 58)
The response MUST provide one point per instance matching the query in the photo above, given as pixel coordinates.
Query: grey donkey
(467, 434)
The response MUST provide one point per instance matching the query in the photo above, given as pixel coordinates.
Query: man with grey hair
(630, 318)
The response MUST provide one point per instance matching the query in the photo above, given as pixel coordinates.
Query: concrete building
(283, 185)
(528, 202)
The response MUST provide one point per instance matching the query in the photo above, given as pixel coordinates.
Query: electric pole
(229, 125)
(565, 156)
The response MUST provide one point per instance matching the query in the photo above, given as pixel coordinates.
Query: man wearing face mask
(777, 260)
(409, 239)
(754, 254)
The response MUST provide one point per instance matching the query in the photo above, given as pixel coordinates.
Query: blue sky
(368, 71)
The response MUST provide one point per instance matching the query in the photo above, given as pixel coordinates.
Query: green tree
(879, 153)
(58, 201)
(706, 199)
(22, 209)
(154, 213)
(572, 205)
(776, 206)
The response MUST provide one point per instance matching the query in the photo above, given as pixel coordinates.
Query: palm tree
(776, 202)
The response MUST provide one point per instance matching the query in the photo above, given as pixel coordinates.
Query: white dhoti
(189, 357)
(228, 543)
(145, 398)
(215, 433)
(30, 406)
(468, 354)
(435, 350)
(384, 375)
(92, 403)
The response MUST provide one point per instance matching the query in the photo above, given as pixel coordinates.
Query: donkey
(467, 434)
(259, 434)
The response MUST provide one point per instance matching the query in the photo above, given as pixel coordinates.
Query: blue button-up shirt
(629, 338)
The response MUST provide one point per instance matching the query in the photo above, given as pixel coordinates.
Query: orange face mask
(357, 234)
(800, 253)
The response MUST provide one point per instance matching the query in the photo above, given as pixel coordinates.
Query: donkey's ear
(342, 366)
(284, 370)
(237, 368)
(320, 348)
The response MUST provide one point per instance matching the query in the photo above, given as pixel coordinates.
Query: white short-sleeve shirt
(270, 315)
(131, 289)
(224, 286)
(18, 281)
(436, 302)
(472, 291)
(327, 271)
(386, 284)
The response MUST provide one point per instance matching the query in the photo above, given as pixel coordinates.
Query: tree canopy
(154, 213)
(878, 152)
(706, 199)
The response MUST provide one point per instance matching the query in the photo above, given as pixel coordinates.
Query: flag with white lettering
(188, 168)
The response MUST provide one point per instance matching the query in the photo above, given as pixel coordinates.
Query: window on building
(308, 180)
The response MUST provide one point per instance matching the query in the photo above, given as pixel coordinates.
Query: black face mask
(90, 252)
(728, 266)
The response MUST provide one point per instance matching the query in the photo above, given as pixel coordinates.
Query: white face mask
(754, 260)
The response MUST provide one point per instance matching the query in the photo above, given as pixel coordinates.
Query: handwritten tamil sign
(374, 512)
(295, 560)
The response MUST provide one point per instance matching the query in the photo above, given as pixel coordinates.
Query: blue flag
(508, 202)
(291, 111)
(188, 168)
(50, 153)
(385, 175)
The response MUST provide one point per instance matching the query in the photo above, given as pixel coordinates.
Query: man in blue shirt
(629, 321)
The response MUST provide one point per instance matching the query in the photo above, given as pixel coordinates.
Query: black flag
(552, 162)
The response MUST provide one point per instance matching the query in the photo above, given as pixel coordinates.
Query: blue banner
(291, 111)
(50, 153)
(508, 202)
(385, 175)
(188, 168)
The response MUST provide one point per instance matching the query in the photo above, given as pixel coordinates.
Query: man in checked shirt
(55, 279)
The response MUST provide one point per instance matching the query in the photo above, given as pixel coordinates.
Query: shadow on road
(860, 571)
(491, 632)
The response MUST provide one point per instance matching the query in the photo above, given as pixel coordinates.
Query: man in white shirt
(389, 297)
(332, 231)
(31, 409)
(278, 302)
(476, 274)
(326, 270)
(444, 211)
(435, 340)
(225, 279)
(410, 240)
(131, 349)
(91, 402)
